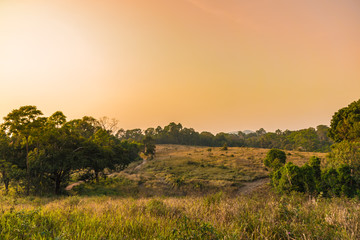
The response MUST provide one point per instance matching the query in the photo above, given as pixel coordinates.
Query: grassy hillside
(144, 209)
(183, 170)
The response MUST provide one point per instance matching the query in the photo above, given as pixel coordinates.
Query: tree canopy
(345, 124)
(40, 153)
(311, 139)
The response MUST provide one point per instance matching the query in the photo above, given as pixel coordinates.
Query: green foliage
(288, 178)
(149, 146)
(338, 182)
(314, 163)
(346, 153)
(310, 139)
(310, 179)
(24, 123)
(275, 159)
(41, 153)
(345, 123)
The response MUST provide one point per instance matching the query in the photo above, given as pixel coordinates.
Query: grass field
(163, 198)
(188, 170)
(262, 215)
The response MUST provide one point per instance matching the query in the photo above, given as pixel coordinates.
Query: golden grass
(197, 170)
(263, 215)
(220, 212)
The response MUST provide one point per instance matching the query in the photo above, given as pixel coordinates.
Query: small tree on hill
(149, 146)
(275, 159)
(224, 147)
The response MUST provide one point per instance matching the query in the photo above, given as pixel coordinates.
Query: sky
(212, 65)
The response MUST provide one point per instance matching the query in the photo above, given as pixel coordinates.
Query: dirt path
(246, 189)
(250, 187)
(145, 160)
(69, 187)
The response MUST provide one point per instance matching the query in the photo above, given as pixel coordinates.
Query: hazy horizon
(212, 65)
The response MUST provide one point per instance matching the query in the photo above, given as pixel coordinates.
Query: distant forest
(310, 139)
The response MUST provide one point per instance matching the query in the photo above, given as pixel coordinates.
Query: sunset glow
(212, 65)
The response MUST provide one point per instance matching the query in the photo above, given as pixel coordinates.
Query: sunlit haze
(212, 65)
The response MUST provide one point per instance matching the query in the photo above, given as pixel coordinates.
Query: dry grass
(224, 214)
(181, 170)
(264, 215)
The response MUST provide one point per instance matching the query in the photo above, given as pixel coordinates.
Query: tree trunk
(57, 185)
(6, 182)
(27, 190)
(97, 176)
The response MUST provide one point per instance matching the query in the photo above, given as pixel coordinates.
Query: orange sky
(210, 64)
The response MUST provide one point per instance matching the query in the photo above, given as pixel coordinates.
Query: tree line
(310, 139)
(38, 154)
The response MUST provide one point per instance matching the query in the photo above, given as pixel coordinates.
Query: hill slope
(184, 170)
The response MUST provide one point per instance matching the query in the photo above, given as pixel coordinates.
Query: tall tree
(57, 152)
(8, 169)
(149, 146)
(24, 122)
(345, 124)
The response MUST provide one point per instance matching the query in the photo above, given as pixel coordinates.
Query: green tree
(315, 163)
(8, 169)
(275, 158)
(57, 154)
(338, 181)
(24, 122)
(346, 153)
(345, 123)
(98, 151)
(288, 178)
(149, 146)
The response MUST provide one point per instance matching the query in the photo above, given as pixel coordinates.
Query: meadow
(263, 215)
(179, 170)
(185, 192)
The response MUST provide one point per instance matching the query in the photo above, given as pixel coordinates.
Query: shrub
(288, 178)
(310, 179)
(275, 159)
(338, 182)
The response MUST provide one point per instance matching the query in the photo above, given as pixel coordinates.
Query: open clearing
(179, 170)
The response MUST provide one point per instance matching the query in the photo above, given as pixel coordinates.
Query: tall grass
(217, 216)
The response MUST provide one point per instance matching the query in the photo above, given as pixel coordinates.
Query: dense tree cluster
(39, 153)
(311, 139)
(341, 172)
(310, 178)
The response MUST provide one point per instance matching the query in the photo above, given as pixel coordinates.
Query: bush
(310, 179)
(224, 147)
(338, 182)
(288, 178)
(275, 159)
